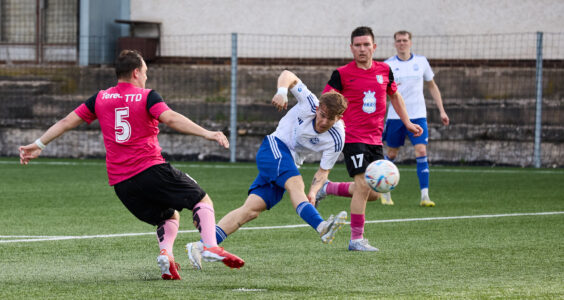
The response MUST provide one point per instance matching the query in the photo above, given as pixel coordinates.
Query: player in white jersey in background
(411, 72)
(311, 126)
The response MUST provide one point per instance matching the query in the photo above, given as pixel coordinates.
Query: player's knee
(175, 216)
(420, 151)
(392, 153)
(207, 200)
(373, 196)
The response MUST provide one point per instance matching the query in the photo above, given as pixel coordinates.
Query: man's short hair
(362, 31)
(127, 61)
(335, 103)
(402, 32)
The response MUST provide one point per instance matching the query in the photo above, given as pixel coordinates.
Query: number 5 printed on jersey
(122, 127)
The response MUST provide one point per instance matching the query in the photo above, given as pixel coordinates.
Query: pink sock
(357, 226)
(204, 220)
(339, 189)
(166, 234)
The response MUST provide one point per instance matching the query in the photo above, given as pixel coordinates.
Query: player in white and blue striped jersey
(412, 72)
(311, 126)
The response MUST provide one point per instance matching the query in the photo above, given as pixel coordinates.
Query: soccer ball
(382, 175)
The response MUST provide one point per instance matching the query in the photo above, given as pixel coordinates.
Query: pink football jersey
(365, 91)
(129, 127)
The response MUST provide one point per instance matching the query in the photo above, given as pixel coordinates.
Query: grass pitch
(495, 233)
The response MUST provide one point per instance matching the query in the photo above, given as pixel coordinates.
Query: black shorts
(358, 156)
(154, 194)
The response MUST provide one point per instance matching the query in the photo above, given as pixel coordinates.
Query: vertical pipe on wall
(538, 118)
(233, 135)
(84, 33)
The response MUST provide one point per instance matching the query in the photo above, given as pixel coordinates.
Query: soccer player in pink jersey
(147, 185)
(365, 84)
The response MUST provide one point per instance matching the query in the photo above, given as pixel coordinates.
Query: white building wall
(286, 28)
(339, 17)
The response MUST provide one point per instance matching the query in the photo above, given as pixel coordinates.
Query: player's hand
(219, 137)
(280, 101)
(415, 129)
(28, 153)
(445, 119)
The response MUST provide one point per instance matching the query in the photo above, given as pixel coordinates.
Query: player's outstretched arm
(317, 183)
(34, 149)
(399, 106)
(286, 81)
(184, 125)
(436, 94)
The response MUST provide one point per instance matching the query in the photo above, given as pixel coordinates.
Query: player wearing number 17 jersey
(150, 188)
(365, 84)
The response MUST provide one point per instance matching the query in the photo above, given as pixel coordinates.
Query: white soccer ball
(382, 175)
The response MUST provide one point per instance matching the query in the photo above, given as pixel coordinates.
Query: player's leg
(138, 194)
(420, 145)
(373, 196)
(166, 235)
(357, 157)
(203, 216)
(232, 221)
(167, 231)
(173, 189)
(342, 189)
(326, 228)
(423, 174)
(394, 136)
(358, 206)
(358, 209)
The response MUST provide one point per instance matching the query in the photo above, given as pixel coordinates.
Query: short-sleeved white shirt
(409, 76)
(296, 130)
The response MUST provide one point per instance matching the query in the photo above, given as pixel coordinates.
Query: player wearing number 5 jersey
(365, 84)
(150, 188)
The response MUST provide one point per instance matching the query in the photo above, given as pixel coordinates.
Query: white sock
(424, 193)
(320, 226)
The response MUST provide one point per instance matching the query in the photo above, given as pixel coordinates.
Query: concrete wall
(487, 128)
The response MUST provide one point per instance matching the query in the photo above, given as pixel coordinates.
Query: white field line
(28, 238)
(251, 166)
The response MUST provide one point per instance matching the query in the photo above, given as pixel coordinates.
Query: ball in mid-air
(382, 175)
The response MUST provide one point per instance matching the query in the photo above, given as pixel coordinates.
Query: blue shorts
(276, 165)
(395, 132)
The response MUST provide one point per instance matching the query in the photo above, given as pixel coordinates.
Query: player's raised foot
(361, 245)
(219, 254)
(329, 227)
(386, 199)
(194, 251)
(169, 268)
(321, 194)
(426, 202)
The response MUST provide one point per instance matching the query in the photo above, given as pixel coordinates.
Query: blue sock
(387, 158)
(220, 235)
(423, 172)
(309, 214)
